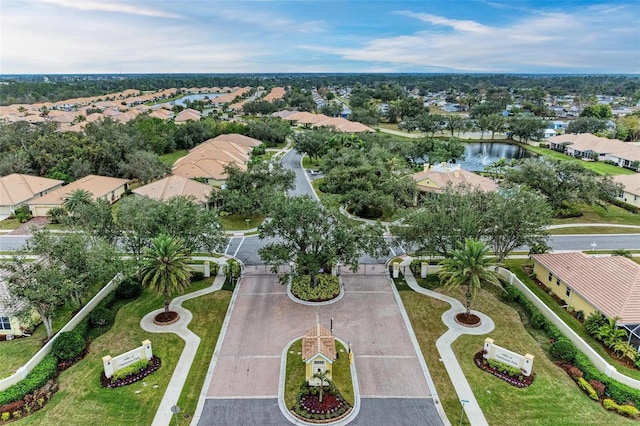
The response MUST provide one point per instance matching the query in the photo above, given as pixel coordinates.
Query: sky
(353, 36)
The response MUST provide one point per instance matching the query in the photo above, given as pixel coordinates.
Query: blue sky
(223, 36)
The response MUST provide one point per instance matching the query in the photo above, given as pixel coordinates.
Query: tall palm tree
(78, 198)
(322, 376)
(164, 267)
(470, 266)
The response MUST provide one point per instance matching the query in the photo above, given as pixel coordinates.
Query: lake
(479, 155)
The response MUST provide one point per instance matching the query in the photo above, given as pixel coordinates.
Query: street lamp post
(593, 246)
(463, 401)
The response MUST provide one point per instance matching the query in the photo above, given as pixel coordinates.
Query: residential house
(17, 190)
(318, 353)
(11, 324)
(435, 179)
(631, 191)
(549, 133)
(101, 188)
(176, 186)
(187, 115)
(588, 146)
(606, 284)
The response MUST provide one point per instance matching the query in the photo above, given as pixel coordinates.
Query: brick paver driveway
(264, 321)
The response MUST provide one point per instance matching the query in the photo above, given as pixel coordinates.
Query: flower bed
(503, 372)
(152, 366)
(309, 407)
(30, 403)
(327, 287)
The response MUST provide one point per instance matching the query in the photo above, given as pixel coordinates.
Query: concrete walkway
(192, 341)
(460, 383)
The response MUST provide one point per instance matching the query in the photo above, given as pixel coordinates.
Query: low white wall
(583, 346)
(24, 371)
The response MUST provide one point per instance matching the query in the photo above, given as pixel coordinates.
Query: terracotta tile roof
(318, 340)
(275, 93)
(16, 188)
(174, 186)
(587, 142)
(611, 284)
(237, 139)
(438, 178)
(98, 186)
(187, 114)
(204, 168)
(631, 183)
(318, 120)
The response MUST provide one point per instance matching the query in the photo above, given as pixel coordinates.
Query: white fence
(24, 371)
(600, 363)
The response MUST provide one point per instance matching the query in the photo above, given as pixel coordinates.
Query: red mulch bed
(470, 320)
(153, 366)
(526, 381)
(166, 318)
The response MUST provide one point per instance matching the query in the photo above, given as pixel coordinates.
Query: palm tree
(78, 198)
(322, 376)
(621, 252)
(164, 267)
(610, 333)
(470, 266)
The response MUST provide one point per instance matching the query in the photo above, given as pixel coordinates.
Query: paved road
(244, 382)
(291, 161)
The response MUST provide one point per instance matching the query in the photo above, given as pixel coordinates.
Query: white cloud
(590, 40)
(108, 6)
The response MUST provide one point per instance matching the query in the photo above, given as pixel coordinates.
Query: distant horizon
(113, 37)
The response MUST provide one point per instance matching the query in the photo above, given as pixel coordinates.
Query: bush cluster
(129, 288)
(68, 345)
(625, 410)
(101, 316)
(42, 372)
(586, 386)
(562, 350)
(130, 370)
(327, 287)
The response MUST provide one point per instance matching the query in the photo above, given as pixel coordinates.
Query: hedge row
(617, 391)
(44, 371)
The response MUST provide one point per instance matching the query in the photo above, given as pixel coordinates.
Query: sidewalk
(192, 341)
(458, 379)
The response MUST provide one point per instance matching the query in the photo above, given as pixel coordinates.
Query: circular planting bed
(325, 288)
(332, 408)
(468, 320)
(166, 318)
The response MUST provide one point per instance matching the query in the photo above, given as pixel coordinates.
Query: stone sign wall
(512, 359)
(111, 365)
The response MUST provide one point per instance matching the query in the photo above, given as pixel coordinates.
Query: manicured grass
(236, 222)
(208, 315)
(598, 214)
(307, 163)
(552, 399)
(331, 201)
(594, 230)
(294, 376)
(340, 371)
(81, 400)
(9, 223)
(515, 265)
(172, 157)
(595, 166)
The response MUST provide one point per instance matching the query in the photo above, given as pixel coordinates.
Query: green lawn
(594, 230)
(172, 157)
(208, 315)
(81, 400)
(307, 163)
(553, 398)
(595, 166)
(236, 222)
(598, 214)
(9, 223)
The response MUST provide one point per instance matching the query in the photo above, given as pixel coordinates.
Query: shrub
(553, 332)
(101, 316)
(68, 345)
(538, 321)
(197, 276)
(563, 350)
(327, 287)
(129, 288)
(5, 416)
(609, 404)
(510, 294)
(619, 392)
(130, 370)
(628, 410)
(585, 386)
(598, 386)
(574, 372)
(42, 372)
(579, 315)
(594, 321)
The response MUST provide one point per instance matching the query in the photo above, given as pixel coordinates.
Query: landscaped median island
(325, 287)
(314, 392)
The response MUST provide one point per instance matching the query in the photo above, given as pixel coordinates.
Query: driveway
(244, 384)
